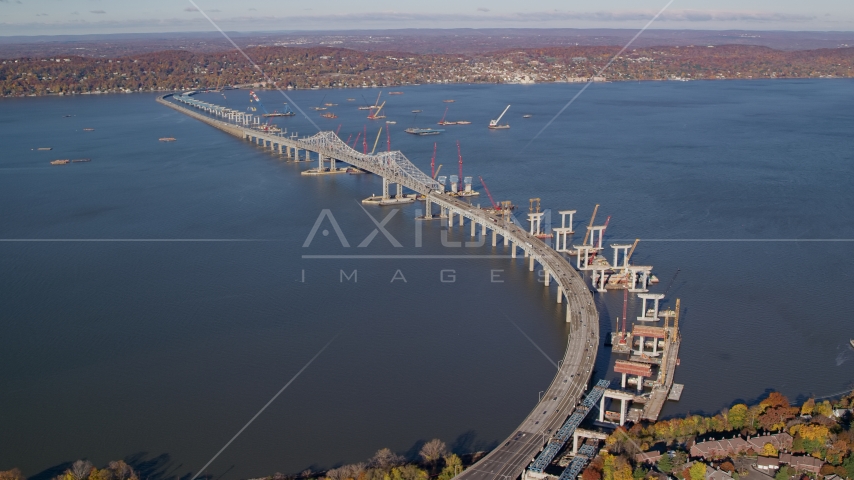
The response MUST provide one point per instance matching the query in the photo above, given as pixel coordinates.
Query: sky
(54, 17)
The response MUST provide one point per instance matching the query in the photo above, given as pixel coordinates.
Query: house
(802, 463)
(711, 473)
(719, 448)
(780, 441)
(650, 457)
(768, 464)
(717, 474)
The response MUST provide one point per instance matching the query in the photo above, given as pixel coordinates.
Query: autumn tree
(737, 416)
(768, 450)
(432, 451)
(808, 407)
(81, 469)
(385, 459)
(697, 471)
(453, 466)
(13, 474)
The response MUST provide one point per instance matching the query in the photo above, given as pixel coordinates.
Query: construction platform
(323, 171)
(379, 200)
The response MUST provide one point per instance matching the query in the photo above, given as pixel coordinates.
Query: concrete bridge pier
(450, 218)
(473, 225)
(400, 192)
(385, 189)
(559, 294)
(428, 208)
(494, 242)
(547, 277)
(483, 229)
(512, 250)
(531, 263)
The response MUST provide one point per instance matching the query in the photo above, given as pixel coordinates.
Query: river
(159, 347)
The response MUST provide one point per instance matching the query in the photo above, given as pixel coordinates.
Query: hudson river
(155, 298)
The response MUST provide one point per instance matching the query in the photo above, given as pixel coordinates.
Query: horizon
(79, 17)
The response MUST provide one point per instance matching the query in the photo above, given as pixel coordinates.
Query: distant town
(327, 67)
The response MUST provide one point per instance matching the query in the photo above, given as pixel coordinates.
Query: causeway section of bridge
(509, 460)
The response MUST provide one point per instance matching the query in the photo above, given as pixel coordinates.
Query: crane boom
(460, 186)
(502, 114)
(437, 172)
(634, 245)
(377, 141)
(433, 162)
(593, 217)
(496, 207)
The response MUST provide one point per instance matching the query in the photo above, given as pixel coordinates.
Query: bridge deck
(510, 459)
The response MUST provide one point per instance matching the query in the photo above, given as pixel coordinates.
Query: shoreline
(243, 87)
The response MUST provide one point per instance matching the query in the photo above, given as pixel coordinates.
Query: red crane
(388, 138)
(365, 141)
(496, 207)
(460, 184)
(339, 129)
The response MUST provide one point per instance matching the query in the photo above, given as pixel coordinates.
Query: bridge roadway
(512, 456)
(509, 460)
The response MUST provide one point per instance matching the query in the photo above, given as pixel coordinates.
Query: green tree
(665, 463)
(639, 473)
(737, 416)
(784, 473)
(453, 466)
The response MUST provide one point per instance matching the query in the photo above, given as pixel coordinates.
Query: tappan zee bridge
(542, 434)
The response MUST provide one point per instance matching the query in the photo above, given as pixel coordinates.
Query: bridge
(509, 460)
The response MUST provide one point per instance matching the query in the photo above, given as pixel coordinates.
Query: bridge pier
(473, 225)
(531, 264)
(494, 242)
(547, 276)
(385, 189)
(559, 294)
(483, 229)
(400, 195)
(512, 249)
(450, 218)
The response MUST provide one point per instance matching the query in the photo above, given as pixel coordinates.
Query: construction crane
(437, 172)
(460, 186)
(433, 162)
(377, 141)
(592, 218)
(376, 115)
(632, 250)
(494, 123)
(388, 138)
(494, 206)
